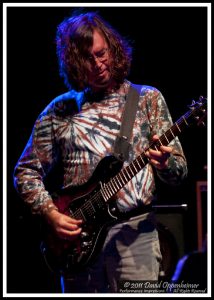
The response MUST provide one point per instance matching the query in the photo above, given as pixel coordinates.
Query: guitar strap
(122, 145)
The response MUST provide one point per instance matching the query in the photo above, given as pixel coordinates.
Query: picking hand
(65, 227)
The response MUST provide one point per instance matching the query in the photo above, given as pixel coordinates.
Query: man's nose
(97, 62)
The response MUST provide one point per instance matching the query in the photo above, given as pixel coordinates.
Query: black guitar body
(87, 203)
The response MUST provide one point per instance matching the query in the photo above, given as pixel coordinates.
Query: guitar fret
(124, 174)
(107, 192)
(115, 182)
(170, 136)
(128, 173)
(142, 159)
(134, 167)
(111, 188)
(166, 138)
(105, 197)
(131, 170)
(121, 178)
(138, 164)
(177, 127)
(185, 120)
(172, 133)
(118, 181)
(108, 189)
(115, 188)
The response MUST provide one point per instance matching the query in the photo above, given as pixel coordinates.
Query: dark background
(170, 53)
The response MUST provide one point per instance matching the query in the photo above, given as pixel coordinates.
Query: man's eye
(100, 54)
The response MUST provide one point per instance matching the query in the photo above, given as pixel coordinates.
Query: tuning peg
(192, 105)
(201, 98)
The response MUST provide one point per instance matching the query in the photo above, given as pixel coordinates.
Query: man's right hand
(64, 226)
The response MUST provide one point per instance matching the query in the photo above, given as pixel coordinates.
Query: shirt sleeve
(34, 164)
(161, 121)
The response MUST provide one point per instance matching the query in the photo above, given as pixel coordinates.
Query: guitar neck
(127, 173)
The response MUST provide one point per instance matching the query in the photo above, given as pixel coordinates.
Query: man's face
(98, 62)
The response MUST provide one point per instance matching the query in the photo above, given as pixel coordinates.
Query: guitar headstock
(199, 110)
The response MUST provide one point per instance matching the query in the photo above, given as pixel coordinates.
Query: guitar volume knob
(84, 234)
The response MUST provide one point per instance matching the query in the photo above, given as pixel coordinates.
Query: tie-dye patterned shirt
(80, 133)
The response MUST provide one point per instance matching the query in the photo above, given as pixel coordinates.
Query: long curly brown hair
(74, 38)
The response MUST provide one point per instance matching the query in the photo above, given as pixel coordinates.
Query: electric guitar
(95, 204)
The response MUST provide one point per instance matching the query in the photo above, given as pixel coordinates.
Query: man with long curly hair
(94, 246)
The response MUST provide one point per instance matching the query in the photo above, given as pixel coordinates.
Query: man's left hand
(159, 158)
